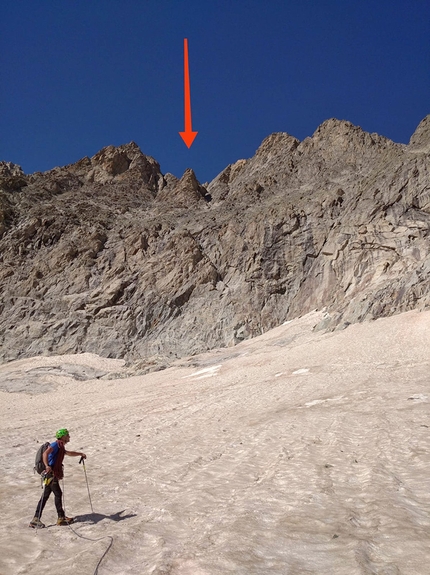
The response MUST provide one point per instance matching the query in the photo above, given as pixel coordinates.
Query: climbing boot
(36, 523)
(65, 520)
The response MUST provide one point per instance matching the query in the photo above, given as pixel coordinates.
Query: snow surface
(294, 453)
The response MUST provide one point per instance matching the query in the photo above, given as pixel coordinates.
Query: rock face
(110, 256)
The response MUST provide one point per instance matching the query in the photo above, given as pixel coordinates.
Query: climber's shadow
(93, 518)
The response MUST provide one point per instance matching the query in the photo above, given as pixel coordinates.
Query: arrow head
(188, 137)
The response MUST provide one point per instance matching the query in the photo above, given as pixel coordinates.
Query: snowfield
(293, 453)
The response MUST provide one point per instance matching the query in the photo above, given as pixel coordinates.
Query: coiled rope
(89, 538)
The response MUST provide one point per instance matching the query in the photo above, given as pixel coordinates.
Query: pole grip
(81, 460)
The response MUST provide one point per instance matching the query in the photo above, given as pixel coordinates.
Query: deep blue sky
(78, 75)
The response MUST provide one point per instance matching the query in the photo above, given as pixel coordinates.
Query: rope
(89, 538)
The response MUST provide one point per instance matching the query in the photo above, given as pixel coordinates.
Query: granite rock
(110, 256)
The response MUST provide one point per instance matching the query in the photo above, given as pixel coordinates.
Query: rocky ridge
(110, 256)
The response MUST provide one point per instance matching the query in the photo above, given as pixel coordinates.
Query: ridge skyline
(82, 76)
(328, 121)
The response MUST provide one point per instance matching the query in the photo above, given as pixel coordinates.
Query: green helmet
(61, 433)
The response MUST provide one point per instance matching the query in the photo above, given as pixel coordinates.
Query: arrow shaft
(187, 94)
(187, 135)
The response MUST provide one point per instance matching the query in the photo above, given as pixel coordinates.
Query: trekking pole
(82, 460)
(40, 504)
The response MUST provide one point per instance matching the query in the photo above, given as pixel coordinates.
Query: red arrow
(188, 135)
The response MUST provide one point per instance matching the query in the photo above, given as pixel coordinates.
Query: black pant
(53, 487)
